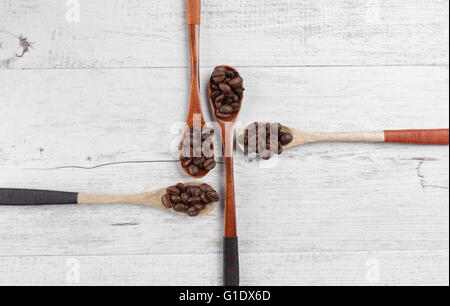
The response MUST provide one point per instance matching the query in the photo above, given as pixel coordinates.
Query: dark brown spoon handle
(36, 197)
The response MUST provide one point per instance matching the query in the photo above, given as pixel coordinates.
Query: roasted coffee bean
(199, 160)
(187, 162)
(226, 109)
(239, 91)
(192, 200)
(204, 198)
(286, 138)
(166, 201)
(229, 74)
(225, 88)
(280, 148)
(236, 107)
(185, 197)
(219, 78)
(175, 199)
(267, 154)
(180, 207)
(222, 116)
(215, 94)
(192, 212)
(188, 189)
(181, 186)
(193, 170)
(212, 196)
(265, 139)
(196, 147)
(205, 187)
(199, 206)
(195, 191)
(209, 164)
(227, 98)
(219, 98)
(173, 190)
(219, 70)
(236, 82)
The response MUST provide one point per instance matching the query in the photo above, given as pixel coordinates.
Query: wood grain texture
(350, 197)
(141, 33)
(193, 11)
(369, 65)
(438, 136)
(54, 118)
(318, 268)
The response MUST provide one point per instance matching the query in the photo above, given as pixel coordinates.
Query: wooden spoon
(435, 137)
(195, 116)
(231, 255)
(22, 197)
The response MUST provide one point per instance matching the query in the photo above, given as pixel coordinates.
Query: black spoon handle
(36, 197)
(231, 261)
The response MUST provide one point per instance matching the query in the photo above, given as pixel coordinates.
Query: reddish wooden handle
(193, 11)
(437, 137)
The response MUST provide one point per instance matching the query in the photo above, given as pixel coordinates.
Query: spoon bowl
(298, 136)
(201, 172)
(233, 117)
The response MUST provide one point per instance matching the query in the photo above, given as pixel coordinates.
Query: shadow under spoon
(23, 197)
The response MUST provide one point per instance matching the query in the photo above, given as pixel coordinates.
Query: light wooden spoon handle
(435, 137)
(308, 137)
(111, 199)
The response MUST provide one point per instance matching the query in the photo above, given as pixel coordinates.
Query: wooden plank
(324, 197)
(91, 117)
(123, 34)
(363, 268)
(307, 204)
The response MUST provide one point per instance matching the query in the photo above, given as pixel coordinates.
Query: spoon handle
(36, 197)
(432, 137)
(193, 8)
(230, 251)
(231, 254)
(437, 137)
(193, 19)
(110, 199)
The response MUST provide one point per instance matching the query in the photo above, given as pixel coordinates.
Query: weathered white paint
(106, 130)
(312, 268)
(142, 33)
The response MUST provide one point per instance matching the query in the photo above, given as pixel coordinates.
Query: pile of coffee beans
(189, 199)
(197, 150)
(227, 91)
(265, 139)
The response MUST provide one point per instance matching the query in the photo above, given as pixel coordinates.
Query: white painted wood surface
(324, 214)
